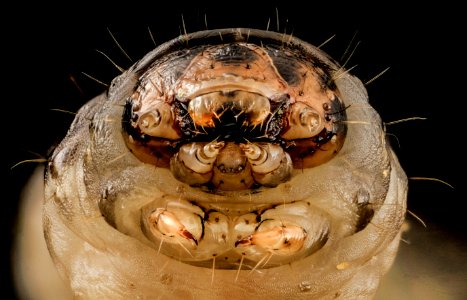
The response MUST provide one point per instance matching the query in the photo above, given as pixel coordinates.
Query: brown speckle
(287, 187)
(166, 279)
(52, 170)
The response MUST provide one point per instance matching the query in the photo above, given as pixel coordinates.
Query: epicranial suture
(215, 163)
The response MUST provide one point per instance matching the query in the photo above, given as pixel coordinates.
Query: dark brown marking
(234, 54)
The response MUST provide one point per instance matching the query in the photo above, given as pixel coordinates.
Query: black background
(43, 47)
